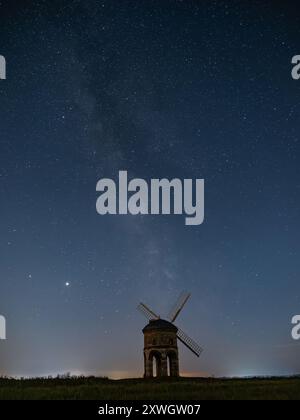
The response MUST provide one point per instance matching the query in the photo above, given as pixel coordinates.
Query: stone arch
(172, 363)
(155, 359)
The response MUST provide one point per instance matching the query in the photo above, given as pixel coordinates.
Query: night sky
(185, 89)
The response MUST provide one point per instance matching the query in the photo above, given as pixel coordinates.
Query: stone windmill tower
(160, 341)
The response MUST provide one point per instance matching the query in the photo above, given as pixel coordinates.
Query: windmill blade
(189, 342)
(181, 301)
(147, 312)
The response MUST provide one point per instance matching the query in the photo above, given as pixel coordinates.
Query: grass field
(81, 388)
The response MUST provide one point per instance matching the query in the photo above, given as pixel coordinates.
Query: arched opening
(172, 364)
(155, 367)
(168, 366)
(155, 359)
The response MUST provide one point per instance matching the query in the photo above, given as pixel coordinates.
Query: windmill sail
(181, 301)
(189, 342)
(147, 311)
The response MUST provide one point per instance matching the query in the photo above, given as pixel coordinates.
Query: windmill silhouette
(160, 340)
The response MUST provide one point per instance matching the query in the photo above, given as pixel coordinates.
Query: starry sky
(185, 89)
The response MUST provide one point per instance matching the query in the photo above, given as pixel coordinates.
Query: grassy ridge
(137, 389)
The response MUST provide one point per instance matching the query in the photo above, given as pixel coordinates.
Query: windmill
(160, 340)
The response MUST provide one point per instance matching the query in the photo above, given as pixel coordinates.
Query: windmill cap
(160, 324)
